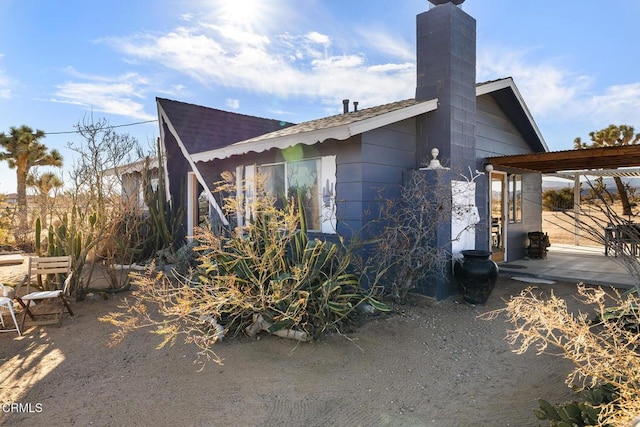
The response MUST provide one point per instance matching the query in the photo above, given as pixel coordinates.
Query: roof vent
(345, 106)
(355, 106)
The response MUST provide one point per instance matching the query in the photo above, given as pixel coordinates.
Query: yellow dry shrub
(602, 344)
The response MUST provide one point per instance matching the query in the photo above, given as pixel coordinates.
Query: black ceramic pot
(476, 274)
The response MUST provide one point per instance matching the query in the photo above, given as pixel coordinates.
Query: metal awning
(572, 160)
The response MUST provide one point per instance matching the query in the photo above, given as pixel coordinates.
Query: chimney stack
(345, 106)
(446, 69)
(355, 106)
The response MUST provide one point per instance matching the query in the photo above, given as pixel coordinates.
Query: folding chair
(6, 306)
(43, 267)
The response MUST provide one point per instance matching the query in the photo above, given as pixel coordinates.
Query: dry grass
(561, 229)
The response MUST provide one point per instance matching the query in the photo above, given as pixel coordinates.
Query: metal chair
(44, 267)
(6, 306)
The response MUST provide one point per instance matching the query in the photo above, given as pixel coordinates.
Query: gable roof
(340, 127)
(507, 96)
(344, 126)
(202, 128)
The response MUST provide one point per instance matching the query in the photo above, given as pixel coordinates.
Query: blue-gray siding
(497, 136)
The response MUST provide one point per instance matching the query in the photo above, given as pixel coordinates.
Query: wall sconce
(488, 167)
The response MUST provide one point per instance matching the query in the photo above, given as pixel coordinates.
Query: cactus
(38, 236)
(577, 413)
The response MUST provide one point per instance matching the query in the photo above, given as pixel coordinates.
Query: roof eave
(508, 83)
(341, 133)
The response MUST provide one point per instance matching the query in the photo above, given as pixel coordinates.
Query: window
(515, 198)
(313, 180)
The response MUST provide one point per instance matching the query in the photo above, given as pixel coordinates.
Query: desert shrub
(557, 199)
(577, 413)
(268, 276)
(603, 351)
(186, 258)
(7, 222)
(404, 252)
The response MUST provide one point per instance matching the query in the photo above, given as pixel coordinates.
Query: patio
(569, 263)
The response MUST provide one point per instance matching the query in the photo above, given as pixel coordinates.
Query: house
(343, 161)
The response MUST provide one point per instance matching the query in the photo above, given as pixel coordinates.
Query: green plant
(186, 258)
(268, 276)
(164, 218)
(553, 199)
(577, 413)
(604, 352)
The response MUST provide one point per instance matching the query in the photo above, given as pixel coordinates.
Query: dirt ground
(429, 365)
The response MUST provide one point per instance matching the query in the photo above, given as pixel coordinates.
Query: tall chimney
(446, 69)
(355, 106)
(345, 106)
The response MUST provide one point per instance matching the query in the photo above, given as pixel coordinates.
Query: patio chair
(6, 306)
(54, 269)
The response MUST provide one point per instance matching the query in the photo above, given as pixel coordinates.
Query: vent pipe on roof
(355, 106)
(345, 106)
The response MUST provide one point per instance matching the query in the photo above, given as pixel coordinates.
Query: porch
(573, 264)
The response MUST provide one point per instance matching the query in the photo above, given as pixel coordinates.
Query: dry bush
(603, 349)
(266, 276)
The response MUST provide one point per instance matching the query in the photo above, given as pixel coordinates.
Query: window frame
(326, 182)
(515, 198)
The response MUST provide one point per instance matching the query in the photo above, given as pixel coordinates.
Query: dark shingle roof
(202, 128)
(337, 120)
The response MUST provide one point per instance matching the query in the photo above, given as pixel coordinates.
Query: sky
(575, 63)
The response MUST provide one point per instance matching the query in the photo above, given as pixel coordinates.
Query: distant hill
(556, 184)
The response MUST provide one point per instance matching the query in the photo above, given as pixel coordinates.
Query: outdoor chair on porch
(622, 239)
(55, 270)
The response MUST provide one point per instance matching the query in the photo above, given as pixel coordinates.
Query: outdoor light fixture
(488, 167)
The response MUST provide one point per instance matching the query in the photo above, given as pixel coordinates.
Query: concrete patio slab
(570, 263)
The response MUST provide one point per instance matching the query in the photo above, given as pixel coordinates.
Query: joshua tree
(43, 184)
(23, 150)
(613, 135)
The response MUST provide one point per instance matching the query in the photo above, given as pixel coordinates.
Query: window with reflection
(295, 181)
(515, 198)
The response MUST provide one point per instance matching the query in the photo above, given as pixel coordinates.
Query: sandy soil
(435, 365)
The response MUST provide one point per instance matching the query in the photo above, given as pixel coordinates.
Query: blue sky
(575, 62)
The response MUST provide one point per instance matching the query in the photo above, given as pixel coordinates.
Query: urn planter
(476, 274)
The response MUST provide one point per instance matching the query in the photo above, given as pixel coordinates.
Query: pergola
(615, 161)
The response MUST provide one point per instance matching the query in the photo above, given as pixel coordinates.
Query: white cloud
(388, 44)
(548, 89)
(108, 95)
(284, 65)
(560, 95)
(316, 37)
(234, 104)
(5, 84)
(619, 104)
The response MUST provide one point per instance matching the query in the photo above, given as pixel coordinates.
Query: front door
(498, 223)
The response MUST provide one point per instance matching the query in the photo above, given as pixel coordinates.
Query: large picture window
(515, 198)
(312, 181)
(291, 180)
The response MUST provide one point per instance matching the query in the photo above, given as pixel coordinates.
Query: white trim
(249, 189)
(487, 88)
(194, 169)
(312, 137)
(505, 209)
(327, 190)
(192, 201)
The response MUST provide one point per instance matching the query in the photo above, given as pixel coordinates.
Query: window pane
(515, 198)
(302, 179)
(273, 184)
